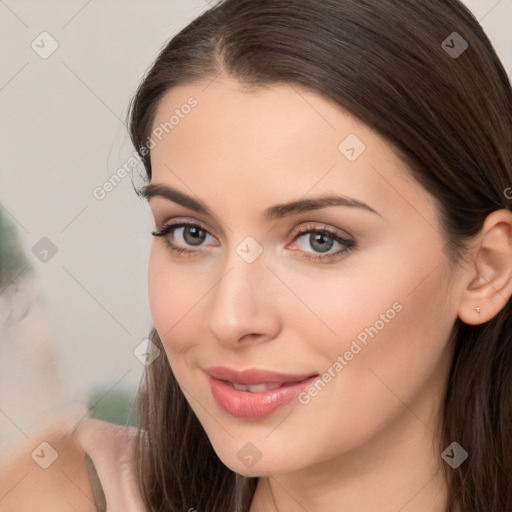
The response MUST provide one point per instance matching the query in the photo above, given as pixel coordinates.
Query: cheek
(169, 295)
(391, 336)
(177, 294)
(396, 297)
(376, 368)
(393, 311)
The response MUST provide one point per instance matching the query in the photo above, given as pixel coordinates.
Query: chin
(247, 460)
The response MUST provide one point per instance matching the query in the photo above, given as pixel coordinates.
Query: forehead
(274, 140)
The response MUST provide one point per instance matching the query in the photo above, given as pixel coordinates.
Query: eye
(179, 236)
(314, 243)
(322, 243)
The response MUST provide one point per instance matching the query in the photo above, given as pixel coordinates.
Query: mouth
(255, 393)
(258, 388)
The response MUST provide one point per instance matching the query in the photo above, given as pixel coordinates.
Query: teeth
(256, 388)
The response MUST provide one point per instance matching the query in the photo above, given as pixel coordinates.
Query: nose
(243, 307)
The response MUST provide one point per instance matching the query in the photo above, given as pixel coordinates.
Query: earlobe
(489, 275)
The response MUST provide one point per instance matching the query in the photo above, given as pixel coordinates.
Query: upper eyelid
(180, 223)
(296, 231)
(222, 226)
(325, 228)
(157, 211)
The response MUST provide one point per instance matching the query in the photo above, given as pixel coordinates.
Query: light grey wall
(62, 135)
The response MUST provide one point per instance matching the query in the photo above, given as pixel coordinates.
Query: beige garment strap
(97, 490)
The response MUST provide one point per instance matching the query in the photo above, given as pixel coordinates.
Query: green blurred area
(117, 406)
(13, 262)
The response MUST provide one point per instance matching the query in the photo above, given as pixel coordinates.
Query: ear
(489, 274)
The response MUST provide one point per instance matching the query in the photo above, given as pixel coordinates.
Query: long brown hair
(398, 67)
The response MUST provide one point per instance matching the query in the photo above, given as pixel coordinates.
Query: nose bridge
(245, 268)
(242, 302)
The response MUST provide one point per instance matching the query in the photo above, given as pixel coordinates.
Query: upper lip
(255, 376)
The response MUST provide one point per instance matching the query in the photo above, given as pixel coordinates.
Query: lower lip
(248, 405)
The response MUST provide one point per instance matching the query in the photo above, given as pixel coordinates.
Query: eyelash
(349, 245)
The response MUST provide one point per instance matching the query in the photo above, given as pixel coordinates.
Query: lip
(254, 376)
(254, 405)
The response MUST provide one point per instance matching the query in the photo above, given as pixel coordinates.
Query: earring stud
(477, 309)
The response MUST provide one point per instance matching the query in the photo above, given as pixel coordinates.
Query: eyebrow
(272, 213)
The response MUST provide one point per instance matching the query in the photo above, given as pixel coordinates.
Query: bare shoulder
(47, 472)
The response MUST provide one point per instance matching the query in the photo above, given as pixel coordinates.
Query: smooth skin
(368, 440)
(64, 486)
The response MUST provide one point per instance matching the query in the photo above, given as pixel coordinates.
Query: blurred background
(74, 312)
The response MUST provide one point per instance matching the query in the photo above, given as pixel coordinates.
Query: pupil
(320, 242)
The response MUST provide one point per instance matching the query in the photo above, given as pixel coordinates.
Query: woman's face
(277, 273)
